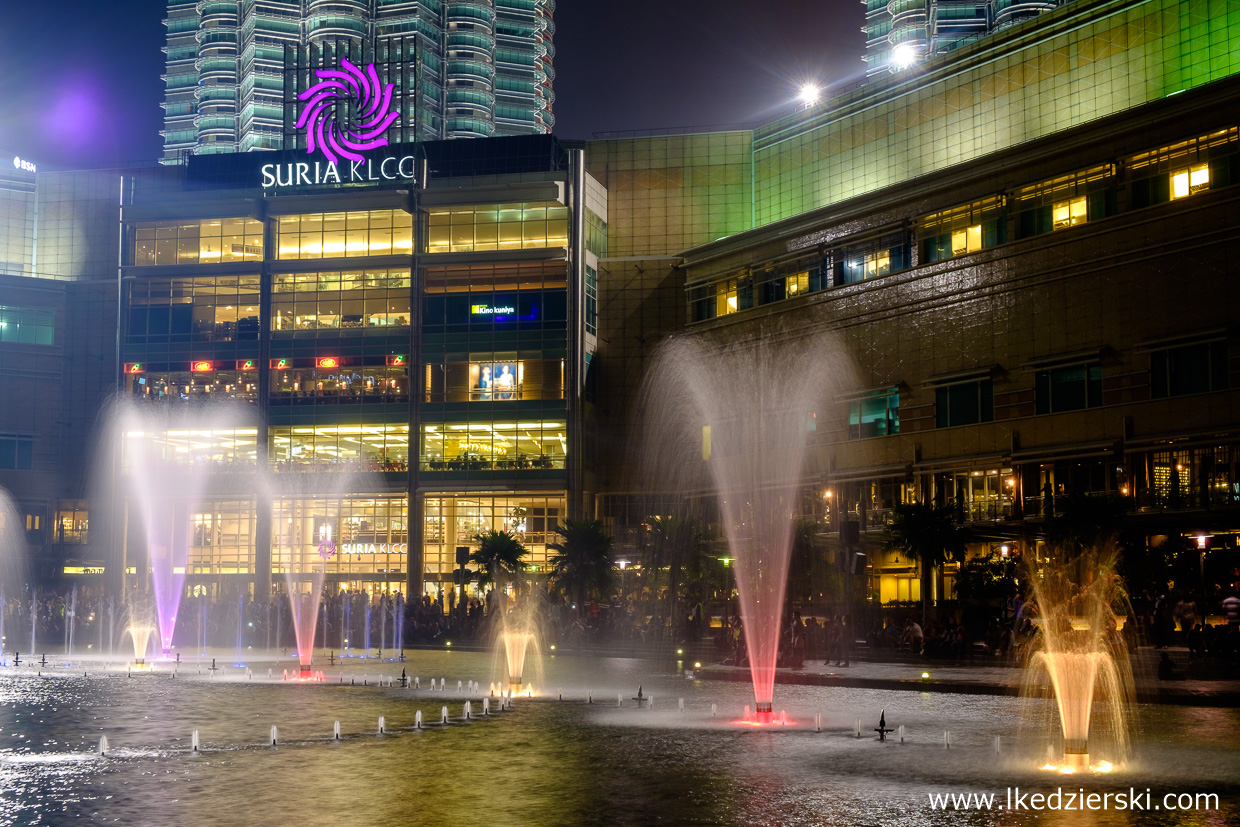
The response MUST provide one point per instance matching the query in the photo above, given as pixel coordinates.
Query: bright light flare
(809, 94)
(904, 55)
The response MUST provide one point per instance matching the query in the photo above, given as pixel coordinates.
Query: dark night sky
(83, 87)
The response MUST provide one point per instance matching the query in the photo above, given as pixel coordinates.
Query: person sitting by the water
(912, 636)
(1167, 670)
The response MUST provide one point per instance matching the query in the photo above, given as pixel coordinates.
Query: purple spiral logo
(327, 549)
(325, 115)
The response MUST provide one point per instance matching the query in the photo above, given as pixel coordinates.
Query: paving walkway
(942, 676)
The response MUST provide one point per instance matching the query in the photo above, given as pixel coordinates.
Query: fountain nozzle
(763, 714)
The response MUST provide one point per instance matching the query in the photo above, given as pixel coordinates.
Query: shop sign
(373, 548)
(346, 112)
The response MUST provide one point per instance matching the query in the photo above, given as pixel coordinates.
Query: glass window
(497, 227)
(377, 447)
(367, 536)
(493, 446)
(72, 522)
(27, 326)
(371, 299)
(960, 230)
(215, 447)
(452, 521)
(470, 278)
(875, 414)
(966, 403)
(208, 241)
(1069, 388)
(223, 538)
(1185, 168)
(204, 309)
(194, 385)
(344, 235)
(1190, 369)
(327, 380)
(871, 259)
(1066, 201)
(492, 378)
(16, 453)
(591, 308)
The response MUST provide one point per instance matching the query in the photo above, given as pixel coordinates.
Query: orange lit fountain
(1078, 607)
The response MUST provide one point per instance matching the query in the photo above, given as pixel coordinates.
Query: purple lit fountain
(751, 408)
(168, 453)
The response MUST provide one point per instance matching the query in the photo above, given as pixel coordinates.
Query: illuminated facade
(1024, 244)
(1025, 247)
(481, 69)
(402, 362)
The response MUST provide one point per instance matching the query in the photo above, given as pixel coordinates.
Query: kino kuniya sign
(346, 113)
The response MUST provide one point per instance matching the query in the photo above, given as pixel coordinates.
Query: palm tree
(678, 544)
(498, 557)
(928, 534)
(583, 563)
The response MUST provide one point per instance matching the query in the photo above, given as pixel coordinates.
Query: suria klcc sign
(340, 139)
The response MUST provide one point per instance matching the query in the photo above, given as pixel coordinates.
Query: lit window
(726, 298)
(967, 240)
(1069, 213)
(1186, 182)
(798, 284)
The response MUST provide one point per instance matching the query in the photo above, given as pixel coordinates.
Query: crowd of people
(354, 619)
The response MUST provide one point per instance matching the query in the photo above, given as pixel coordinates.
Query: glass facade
(961, 230)
(1017, 89)
(494, 377)
(369, 537)
(497, 227)
(372, 447)
(453, 520)
(343, 235)
(219, 449)
(27, 326)
(162, 385)
(493, 446)
(377, 298)
(210, 241)
(318, 342)
(198, 309)
(222, 538)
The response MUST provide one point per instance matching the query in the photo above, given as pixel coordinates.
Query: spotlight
(809, 94)
(904, 55)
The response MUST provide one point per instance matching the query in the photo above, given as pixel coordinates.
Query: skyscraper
(901, 33)
(484, 66)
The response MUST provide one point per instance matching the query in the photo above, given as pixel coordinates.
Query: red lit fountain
(752, 409)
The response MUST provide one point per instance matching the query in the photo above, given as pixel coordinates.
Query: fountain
(167, 455)
(751, 409)
(517, 635)
(12, 558)
(515, 646)
(140, 636)
(306, 547)
(1083, 656)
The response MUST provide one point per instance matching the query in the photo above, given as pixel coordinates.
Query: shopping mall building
(1025, 245)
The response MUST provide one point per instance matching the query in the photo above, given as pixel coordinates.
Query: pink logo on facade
(326, 120)
(327, 549)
